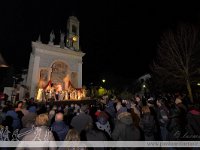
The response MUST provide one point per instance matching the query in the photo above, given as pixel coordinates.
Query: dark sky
(119, 37)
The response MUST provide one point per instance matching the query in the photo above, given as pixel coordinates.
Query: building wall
(44, 56)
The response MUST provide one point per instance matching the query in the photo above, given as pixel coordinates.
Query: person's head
(119, 100)
(59, 117)
(145, 109)
(28, 121)
(178, 101)
(102, 118)
(160, 102)
(42, 120)
(151, 102)
(137, 98)
(72, 135)
(118, 106)
(55, 107)
(20, 104)
(52, 114)
(84, 109)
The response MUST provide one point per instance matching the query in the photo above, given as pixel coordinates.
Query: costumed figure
(75, 94)
(61, 95)
(79, 94)
(40, 94)
(84, 93)
(66, 95)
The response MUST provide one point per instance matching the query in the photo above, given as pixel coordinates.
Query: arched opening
(74, 30)
(59, 72)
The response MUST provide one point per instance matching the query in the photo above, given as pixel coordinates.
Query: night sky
(119, 37)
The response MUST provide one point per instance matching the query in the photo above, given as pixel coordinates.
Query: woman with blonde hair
(39, 133)
(72, 135)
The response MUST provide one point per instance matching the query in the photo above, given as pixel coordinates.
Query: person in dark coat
(93, 134)
(124, 129)
(163, 118)
(173, 126)
(80, 121)
(147, 124)
(193, 125)
(103, 123)
(59, 128)
(16, 124)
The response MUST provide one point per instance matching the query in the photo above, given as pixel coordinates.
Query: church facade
(56, 66)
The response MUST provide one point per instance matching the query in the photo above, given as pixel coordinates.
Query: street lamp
(103, 80)
(74, 39)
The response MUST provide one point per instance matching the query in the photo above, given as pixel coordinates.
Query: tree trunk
(189, 91)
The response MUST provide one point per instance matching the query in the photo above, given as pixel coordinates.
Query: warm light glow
(103, 80)
(74, 38)
(198, 84)
(2, 65)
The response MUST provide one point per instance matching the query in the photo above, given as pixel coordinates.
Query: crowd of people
(162, 118)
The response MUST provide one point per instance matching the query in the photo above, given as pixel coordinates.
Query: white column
(34, 81)
(80, 75)
(30, 71)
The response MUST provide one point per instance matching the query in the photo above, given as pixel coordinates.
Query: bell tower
(73, 33)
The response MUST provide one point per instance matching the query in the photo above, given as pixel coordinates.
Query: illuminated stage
(69, 102)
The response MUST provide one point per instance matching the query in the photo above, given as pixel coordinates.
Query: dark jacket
(81, 121)
(16, 121)
(176, 123)
(147, 124)
(193, 125)
(29, 119)
(60, 130)
(124, 129)
(163, 116)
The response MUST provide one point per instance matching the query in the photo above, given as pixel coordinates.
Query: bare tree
(178, 56)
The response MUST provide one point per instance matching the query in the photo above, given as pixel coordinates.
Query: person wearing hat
(103, 123)
(80, 121)
(125, 130)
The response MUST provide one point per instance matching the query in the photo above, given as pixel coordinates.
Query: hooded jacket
(124, 129)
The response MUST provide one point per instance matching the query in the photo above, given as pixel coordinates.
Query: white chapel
(58, 65)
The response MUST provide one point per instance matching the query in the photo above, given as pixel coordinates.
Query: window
(74, 29)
